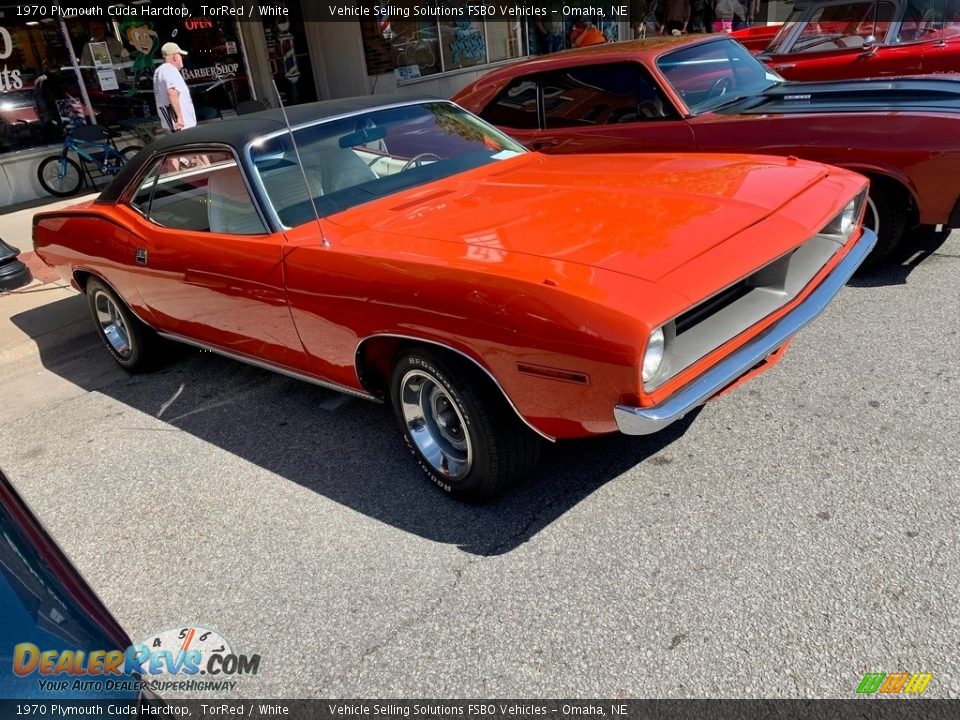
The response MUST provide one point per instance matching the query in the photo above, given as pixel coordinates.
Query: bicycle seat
(245, 107)
(91, 133)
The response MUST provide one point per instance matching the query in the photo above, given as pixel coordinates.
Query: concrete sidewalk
(16, 228)
(46, 313)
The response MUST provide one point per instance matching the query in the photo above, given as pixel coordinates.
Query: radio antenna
(943, 23)
(303, 172)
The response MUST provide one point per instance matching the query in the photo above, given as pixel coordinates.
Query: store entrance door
(289, 57)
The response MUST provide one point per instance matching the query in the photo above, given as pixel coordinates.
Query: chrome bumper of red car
(647, 420)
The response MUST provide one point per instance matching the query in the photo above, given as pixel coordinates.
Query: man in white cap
(174, 104)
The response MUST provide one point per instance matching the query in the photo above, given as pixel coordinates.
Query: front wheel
(60, 176)
(887, 217)
(464, 435)
(129, 341)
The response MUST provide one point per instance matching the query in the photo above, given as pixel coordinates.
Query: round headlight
(653, 357)
(848, 217)
(843, 223)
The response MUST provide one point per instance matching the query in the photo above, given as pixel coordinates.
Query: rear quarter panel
(90, 239)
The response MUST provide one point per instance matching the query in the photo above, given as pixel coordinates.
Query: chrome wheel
(435, 424)
(112, 325)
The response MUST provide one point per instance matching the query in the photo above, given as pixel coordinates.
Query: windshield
(850, 25)
(373, 154)
(776, 45)
(712, 74)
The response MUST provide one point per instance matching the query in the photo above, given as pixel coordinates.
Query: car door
(942, 57)
(209, 270)
(594, 108)
(939, 29)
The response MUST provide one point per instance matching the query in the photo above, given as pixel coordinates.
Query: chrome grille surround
(723, 316)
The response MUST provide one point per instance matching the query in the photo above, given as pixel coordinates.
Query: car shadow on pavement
(915, 247)
(348, 450)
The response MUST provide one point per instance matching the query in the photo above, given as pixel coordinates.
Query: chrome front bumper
(647, 420)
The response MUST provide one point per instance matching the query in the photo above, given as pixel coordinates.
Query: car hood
(642, 215)
(879, 95)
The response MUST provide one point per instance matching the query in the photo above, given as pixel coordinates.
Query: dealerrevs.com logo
(188, 658)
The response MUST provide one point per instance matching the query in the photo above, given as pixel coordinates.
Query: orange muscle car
(413, 254)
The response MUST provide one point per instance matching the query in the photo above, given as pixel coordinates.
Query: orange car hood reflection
(644, 215)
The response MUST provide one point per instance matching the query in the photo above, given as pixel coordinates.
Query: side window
(600, 95)
(204, 192)
(141, 199)
(515, 106)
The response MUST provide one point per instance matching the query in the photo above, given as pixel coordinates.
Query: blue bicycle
(62, 176)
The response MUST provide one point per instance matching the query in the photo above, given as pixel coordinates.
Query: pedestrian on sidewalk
(174, 104)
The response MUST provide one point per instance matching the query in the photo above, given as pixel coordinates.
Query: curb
(40, 270)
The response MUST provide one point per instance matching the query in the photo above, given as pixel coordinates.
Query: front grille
(709, 307)
(738, 307)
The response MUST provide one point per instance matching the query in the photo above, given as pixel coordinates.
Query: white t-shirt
(167, 76)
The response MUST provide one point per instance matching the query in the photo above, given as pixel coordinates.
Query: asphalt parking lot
(795, 534)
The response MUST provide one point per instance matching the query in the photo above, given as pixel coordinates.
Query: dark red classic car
(707, 93)
(846, 39)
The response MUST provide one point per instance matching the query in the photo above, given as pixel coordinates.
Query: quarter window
(203, 192)
(515, 106)
(141, 199)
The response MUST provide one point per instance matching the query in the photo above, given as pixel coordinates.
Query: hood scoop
(420, 200)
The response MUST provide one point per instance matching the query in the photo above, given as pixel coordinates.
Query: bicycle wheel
(60, 176)
(129, 151)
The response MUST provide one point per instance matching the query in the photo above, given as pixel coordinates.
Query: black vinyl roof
(242, 129)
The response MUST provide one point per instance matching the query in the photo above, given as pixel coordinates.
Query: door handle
(538, 144)
(141, 256)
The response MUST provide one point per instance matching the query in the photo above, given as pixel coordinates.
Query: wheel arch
(893, 180)
(83, 275)
(375, 355)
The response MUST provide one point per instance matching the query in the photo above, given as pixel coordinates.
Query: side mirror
(869, 42)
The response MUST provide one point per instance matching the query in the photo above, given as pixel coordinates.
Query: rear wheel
(886, 215)
(464, 435)
(60, 176)
(128, 340)
(130, 151)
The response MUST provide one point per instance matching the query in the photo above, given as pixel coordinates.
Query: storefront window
(34, 88)
(504, 41)
(418, 48)
(463, 44)
(558, 30)
(213, 68)
(40, 87)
